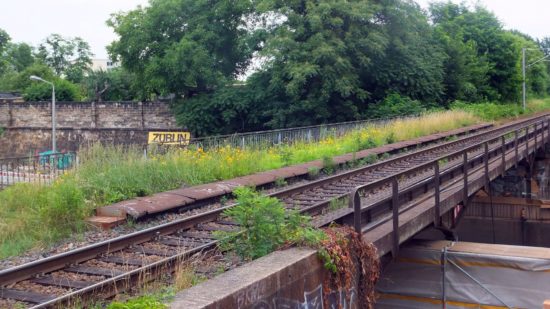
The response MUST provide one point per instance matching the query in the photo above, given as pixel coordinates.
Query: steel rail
(60, 261)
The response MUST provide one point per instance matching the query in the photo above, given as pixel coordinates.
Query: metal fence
(40, 169)
(287, 136)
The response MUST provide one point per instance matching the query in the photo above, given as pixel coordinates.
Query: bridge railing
(41, 169)
(443, 168)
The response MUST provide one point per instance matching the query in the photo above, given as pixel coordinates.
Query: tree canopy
(310, 62)
(246, 65)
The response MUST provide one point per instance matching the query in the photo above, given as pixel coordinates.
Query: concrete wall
(284, 279)
(27, 125)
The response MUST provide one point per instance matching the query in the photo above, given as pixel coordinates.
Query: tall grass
(34, 215)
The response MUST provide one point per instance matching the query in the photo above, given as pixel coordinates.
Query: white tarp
(414, 279)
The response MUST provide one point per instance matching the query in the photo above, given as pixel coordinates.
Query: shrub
(264, 226)
(64, 91)
(329, 166)
(396, 105)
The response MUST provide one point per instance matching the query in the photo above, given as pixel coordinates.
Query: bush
(396, 105)
(264, 225)
(64, 91)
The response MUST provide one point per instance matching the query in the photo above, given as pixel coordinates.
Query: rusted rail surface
(385, 191)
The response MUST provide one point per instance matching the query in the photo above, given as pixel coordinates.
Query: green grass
(493, 111)
(36, 216)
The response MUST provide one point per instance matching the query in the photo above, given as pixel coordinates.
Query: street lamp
(36, 78)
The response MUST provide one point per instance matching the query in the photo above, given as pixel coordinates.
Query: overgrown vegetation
(109, 174)
(349, 260)
(264, 225)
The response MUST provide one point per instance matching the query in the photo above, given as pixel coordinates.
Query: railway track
(103, 269)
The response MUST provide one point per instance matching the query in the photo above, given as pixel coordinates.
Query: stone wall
(129, 115)
(27, 126)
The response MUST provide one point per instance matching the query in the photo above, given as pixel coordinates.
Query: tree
(19, 56)
(4, 41)
(68, 57)
(64, 91)
(412, 62)
(465, 72)
(113, 85)
(185, 47)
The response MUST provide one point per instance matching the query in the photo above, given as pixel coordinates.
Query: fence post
(516, 133)
(355, 203)
(465, 173)
(526, 142)
(536, 133)
(437, 218)
(486, 162)
(395, 216)
(503, 155)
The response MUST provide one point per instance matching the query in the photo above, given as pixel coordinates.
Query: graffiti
(312, 300)
(249, 296)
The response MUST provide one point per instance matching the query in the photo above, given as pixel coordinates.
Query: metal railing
(41, 169)
(476, 156)
(291, 135)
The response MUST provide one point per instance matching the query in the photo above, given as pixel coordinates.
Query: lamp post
(36, 78)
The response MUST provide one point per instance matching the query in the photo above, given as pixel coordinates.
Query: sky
(31, 21)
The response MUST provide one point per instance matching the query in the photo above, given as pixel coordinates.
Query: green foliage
(280, 182)
(69, 57)
(142, 302)
(116, 84)
(313, 172)
(64, 91)
(58, 209)
(265, 225)
(184, 47)
(396, 105)
(329, 166)
(370, 159)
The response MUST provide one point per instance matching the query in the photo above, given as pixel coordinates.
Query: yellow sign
(169, 138)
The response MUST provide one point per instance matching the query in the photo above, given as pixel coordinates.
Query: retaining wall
(27, 125)
(291, 278)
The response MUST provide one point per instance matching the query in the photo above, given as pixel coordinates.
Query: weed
(2, 130)
(329, 166)
(186, 277)
(385, 156)
(142, 302)
(390, 138)
(371, 159)
(451, 138)
(264, 226)
(131, 222)
(223, 200)
(313, 172)
(338, 204)
(280, 182)
(220, 270)
(443, 162)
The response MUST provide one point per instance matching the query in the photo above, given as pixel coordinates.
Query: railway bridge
(429, 183)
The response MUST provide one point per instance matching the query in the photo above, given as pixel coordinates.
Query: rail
(501, 145)
(474, 149)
